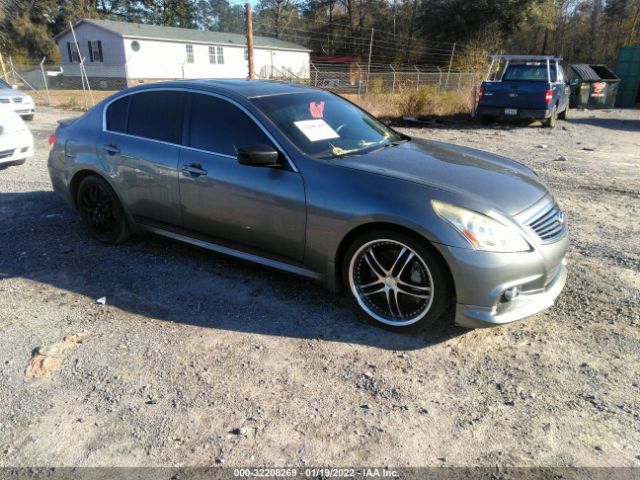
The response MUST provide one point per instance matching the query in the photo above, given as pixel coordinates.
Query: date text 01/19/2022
(315, 472)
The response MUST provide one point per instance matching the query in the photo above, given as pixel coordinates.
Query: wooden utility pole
(249, 40)
(4, 69)
(369, 62)
(453, 53)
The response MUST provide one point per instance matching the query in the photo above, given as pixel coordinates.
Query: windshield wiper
(374, 148)
(390, 144)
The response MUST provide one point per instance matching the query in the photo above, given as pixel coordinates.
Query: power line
(382, 48)
(423, 45)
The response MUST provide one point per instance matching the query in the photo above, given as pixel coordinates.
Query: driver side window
(217, 126)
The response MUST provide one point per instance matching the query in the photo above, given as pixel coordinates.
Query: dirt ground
(199, 359)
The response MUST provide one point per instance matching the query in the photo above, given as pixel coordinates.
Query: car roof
(241, 87)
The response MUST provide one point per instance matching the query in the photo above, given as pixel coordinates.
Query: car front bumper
(482, 278)
(15, 146)
(25, 109)
(523, 113)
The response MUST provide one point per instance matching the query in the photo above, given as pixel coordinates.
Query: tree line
(404, 31)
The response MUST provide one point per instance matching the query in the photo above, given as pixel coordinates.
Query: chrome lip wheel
(391, 282)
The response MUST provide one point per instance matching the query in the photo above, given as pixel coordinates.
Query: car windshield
(529, 72)
(4, 84)
(324, 125)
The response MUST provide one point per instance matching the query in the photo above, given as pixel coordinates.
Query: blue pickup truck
(527, 87)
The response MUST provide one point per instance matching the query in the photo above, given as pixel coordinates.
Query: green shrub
(412, 102)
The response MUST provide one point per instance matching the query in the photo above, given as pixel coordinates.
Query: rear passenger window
(117, 115)
(220, 127)
(157, 115)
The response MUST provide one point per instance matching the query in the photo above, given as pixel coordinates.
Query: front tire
(398, 281)
(28, 118)
(101, 211)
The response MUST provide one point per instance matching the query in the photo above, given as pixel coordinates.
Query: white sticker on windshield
(316, 130)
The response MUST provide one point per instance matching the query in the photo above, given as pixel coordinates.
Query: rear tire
(398, 281)
(101, 211)
(552, 121)
(564, 115)
(487, 120)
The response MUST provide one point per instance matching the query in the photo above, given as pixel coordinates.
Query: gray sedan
(301, 180)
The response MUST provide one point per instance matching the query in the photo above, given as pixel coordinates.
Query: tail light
(548, 96)
(481, 93)
(52, 140)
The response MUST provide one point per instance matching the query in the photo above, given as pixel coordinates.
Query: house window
(189, 53)
(216, 55)
(246, 54)
(95, 51)
(72, 52)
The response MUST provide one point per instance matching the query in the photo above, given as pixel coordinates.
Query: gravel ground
(199, 359)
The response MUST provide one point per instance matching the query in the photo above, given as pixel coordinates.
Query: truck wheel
(487, 119)
(564, 115)
(552, 121)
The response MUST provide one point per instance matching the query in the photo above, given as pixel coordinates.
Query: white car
(20, 102)
(16, 141)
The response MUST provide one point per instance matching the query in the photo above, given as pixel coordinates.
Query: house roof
(157, 32)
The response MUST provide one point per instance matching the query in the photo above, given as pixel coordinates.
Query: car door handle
(194, 169)
(111, 149)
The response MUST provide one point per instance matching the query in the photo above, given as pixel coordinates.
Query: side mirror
(259, 156)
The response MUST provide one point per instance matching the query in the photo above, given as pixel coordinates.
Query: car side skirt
(250, 257)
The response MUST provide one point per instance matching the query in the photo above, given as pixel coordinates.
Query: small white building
(137, 53)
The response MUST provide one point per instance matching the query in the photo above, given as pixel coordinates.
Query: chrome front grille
(5, 100)
(549, 224)
(17, 99)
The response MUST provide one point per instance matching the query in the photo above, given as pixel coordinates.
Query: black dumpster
(592, 86)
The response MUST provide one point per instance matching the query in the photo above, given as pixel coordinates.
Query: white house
(136, 53)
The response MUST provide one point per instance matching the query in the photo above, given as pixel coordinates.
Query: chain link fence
(65, 85)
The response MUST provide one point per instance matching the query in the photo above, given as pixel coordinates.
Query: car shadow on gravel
(462, 122)
(617, 124)
(46, 242)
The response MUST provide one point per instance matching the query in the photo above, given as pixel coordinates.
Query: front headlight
(482, 232)
(28, 99)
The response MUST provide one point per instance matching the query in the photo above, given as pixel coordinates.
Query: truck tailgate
(527, 95)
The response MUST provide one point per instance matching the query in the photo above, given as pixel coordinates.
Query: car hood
(483, 178)
(10, 93)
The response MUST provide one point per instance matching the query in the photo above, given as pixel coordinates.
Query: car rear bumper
(527, 113)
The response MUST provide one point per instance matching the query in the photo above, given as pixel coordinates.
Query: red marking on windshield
(316, 109)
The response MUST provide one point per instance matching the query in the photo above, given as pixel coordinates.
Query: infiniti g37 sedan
(301, 180)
